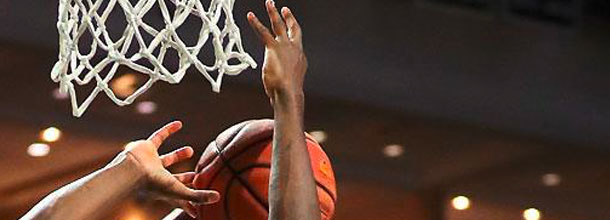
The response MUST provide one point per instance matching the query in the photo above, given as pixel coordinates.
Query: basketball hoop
(77, 17)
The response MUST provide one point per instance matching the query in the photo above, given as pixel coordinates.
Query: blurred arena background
(429, 109)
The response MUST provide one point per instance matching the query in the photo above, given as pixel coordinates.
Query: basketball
(237, 164)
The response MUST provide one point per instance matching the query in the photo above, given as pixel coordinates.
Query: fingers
(263, 33)
(288, 29)
(203, 197)
(186, 178)
(176, 156)
(294, 29)
(160, 135)
(277, 24)
(178, 190)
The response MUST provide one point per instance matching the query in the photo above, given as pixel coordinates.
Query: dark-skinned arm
(292, 188)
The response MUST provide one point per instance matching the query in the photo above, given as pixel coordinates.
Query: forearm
(292, 192)
(89, 196)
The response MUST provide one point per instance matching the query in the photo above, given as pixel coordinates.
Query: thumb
(179, 190)
(176, 189)
(203, 197)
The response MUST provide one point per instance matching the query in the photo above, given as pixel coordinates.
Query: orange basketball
(237, 164)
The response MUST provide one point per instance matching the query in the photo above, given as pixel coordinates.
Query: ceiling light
(133, 217)
(460, 202)
(531, 214)
(393, 150)
(551, 179)
(38, 150)
(124, 85)
(146, 107)
(320, 136)
(50, 134)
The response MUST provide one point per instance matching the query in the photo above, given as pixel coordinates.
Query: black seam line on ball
(264, 205)
(268, 166)
(242, 181)
(219, 153)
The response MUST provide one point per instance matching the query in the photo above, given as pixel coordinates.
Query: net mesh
(79, 17)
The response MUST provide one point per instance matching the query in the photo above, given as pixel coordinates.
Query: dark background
(485, 97)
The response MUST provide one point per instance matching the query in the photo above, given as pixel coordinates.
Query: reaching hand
(160, 180)
(285, 63)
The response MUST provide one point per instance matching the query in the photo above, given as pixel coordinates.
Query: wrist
(289, 107)
(129, 168)
(288, 97)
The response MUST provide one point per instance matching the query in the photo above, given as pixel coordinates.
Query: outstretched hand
(285, 63)
(175, 187)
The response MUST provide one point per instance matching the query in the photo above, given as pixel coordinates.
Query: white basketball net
(77, 17)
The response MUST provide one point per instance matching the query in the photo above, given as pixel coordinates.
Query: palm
(160, 180)
(272, 70)
(285, 63)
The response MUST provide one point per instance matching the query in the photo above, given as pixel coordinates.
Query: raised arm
(292, 189)
(139, 165)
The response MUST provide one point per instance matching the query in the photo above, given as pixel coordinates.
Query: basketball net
(77, 17)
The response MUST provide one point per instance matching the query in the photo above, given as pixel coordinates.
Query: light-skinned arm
(138, 166)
